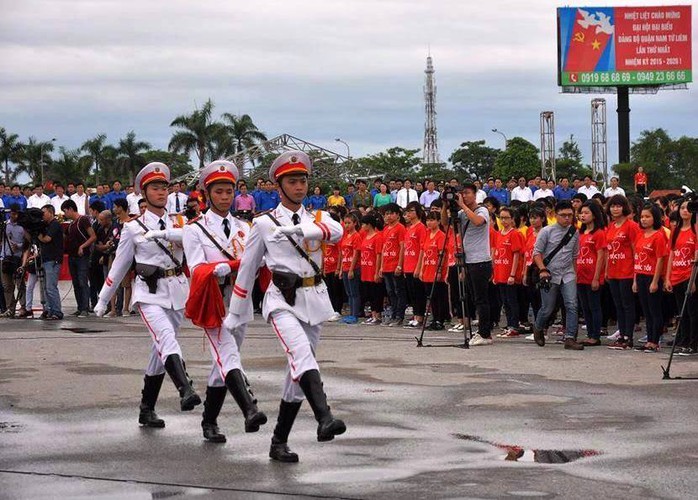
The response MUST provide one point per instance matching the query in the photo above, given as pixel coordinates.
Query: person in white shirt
(522, 192)
(80, 198)
(58, 200)
(587, 189)
(406, 194)
(543, 191)
(132, 199)
(38, 199)
(429, 195)
(480, 195)
(614, 189)
(176, 200)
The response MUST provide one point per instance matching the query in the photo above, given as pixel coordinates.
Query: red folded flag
(205, 305)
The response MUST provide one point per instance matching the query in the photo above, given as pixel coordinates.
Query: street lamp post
(506, 142)
(41, 160)
(347, 146)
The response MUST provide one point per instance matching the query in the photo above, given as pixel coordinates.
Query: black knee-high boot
(328, 426)
(279, 450)
(151, 389)
(175, 369)
(212, 408)
(236, 383)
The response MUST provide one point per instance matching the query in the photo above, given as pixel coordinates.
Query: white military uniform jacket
(200, 249)
(172, 292)
(312, 304)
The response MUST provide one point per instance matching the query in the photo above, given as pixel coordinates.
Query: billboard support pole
(623, 124)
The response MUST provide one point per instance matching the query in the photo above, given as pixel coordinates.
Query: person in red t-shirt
(506, 254)
(590, 262)
(641, 182)
(371, 250)
(651, 248)
(538, 221)
(683, 252)
(334, 284)
(392, 263)
(621, 234)
(431, 274)
(349, 249)
(415, 232)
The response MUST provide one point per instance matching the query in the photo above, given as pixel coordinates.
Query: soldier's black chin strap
(281, 187)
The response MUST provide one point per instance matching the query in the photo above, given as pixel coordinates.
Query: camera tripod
(455, 227)
(691, 283)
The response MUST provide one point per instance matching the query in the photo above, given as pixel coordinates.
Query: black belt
(168, 273)
(288, 283)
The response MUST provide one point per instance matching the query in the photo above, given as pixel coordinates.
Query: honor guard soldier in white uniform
(214, 243)
(159, 291)
(296, 303)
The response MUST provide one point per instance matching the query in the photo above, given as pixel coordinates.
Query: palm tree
(69, 166)
(131, 154)
(241, 133)
(10, 151)
(100, 153)
(196, 133)
(34, 156)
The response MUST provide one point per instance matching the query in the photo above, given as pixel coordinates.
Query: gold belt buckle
(170, 272)
(309, 281)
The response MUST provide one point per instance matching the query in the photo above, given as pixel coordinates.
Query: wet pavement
(509, 420)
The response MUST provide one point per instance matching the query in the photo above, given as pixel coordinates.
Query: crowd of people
(620, 258)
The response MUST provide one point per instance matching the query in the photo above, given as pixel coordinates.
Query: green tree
(179, 163)
(685, 161)
(130, 153)
(654, 151)
(474, 160)
(394, 163)
(100, 154)
(69, 166)
(197, 132)
(240, 133)
(519, 158)
(10, 151)
(434, 171)
(35, 158)
(569, 160)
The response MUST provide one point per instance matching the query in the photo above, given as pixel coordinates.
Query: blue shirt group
(8, 200)
(501, 194)
(564, 194)
(103, 198)
(266, 200)
(317, 201)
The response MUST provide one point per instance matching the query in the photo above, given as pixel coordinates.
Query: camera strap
(564, 241)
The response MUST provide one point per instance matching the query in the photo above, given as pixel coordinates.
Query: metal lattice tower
(599, 142)
(431, 148)
(547, 144)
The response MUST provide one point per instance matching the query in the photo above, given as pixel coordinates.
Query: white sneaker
(458, 328)
(530, 337)
(614, 337)
(504, 332)
(478, 340)
(412, 324)
(369, 321)
(335, 317)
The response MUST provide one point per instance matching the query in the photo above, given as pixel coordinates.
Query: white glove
(100, 309)
(221, 270)
(156, 234)
(282, 231)
(231, 321)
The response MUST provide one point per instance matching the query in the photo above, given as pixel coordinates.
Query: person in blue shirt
(116, 193)
(500, 192)
(317, 201)
(100, 196)
(564, 191)
(15, 197)
(376, 186)
(349, 197)
(268, 199)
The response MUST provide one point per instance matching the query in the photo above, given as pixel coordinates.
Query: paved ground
(69, 398)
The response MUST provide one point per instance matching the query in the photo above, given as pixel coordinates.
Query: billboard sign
(612, 46)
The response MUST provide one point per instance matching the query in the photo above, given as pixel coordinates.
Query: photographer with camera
(475, 223)
(555, 254)
(14, 243)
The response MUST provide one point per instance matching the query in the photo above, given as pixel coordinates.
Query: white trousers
(299, 341)
(225, 351)
(163, 326)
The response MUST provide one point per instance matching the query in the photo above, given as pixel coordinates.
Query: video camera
(692, 199)
(450, 195)
(32, 220)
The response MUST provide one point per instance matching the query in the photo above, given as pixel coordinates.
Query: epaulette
(262, 213)
(194, 220)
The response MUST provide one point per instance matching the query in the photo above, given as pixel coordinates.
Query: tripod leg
(691, 282)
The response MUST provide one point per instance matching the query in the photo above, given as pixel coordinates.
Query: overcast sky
(316, 69)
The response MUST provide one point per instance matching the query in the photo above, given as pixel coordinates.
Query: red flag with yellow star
(588, 39)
